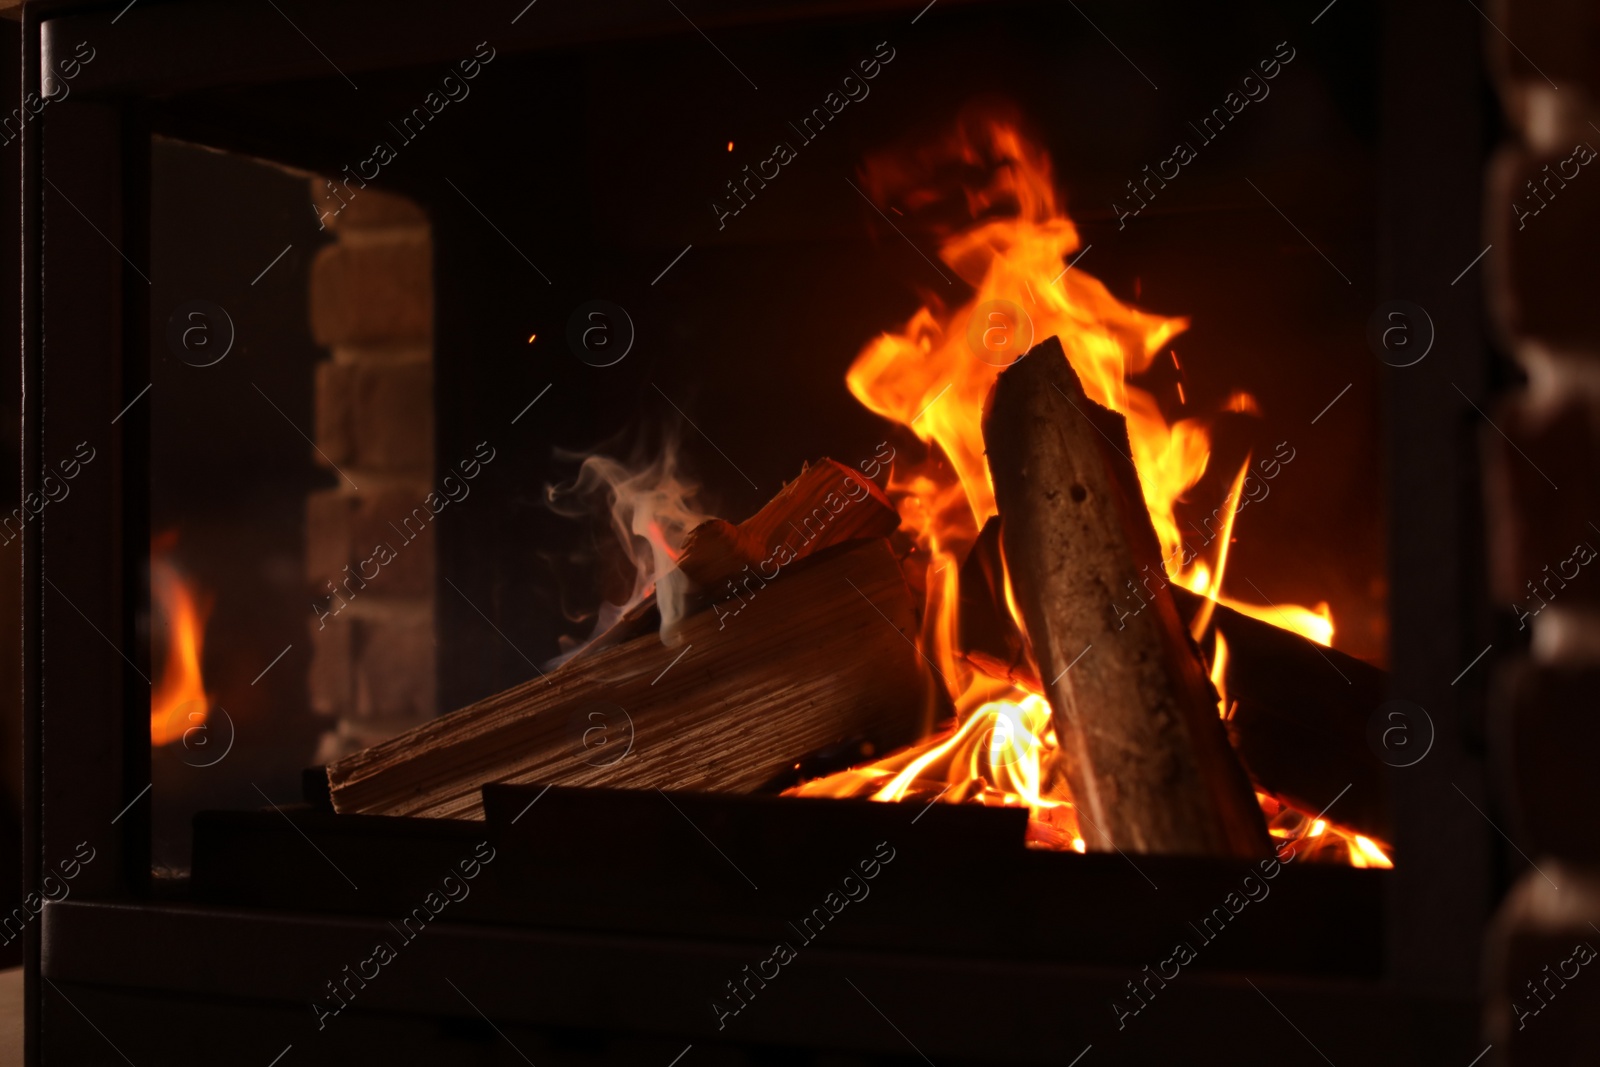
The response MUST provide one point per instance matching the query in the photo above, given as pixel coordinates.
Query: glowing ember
(178, 700)
(1018, 252)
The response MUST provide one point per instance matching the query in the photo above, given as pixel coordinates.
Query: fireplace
(326, 303)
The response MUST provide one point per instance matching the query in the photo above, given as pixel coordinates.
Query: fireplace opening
(530, 495)
(925, 454)
(1218, 395)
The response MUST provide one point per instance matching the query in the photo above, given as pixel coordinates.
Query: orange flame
(991, 194)
(178, 701)
(1219, 677)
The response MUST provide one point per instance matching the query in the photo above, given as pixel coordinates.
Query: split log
(1300, 718)
(827, 505)
(986, 634)
(1147, 757)
(820, 655)
(1300, 711)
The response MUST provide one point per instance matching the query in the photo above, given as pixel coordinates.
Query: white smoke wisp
(650, 510)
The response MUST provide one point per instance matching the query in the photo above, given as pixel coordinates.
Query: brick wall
(1543, 503)
(371, 305)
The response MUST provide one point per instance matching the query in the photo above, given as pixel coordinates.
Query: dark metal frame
(1437, 116)
(84, 365)
(90, 591)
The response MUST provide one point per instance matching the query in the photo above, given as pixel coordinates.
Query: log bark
(819, 656)
(1300, 719)
(1300, 711)
(1145, 753)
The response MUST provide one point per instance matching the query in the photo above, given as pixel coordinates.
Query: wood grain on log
(1147, 757)
(821, 654)
(1299, 711)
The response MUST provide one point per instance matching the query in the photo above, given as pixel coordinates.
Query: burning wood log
(827, 505)
(1300, 711)
(1300, 716)
(989, 638)
(816, 655)
(1144, 751)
